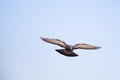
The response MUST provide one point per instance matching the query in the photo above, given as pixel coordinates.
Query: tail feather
(69, 54)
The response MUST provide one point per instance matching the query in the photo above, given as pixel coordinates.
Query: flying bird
(68, 49)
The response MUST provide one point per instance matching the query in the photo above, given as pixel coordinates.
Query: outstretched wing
(54, 41)
(85, 46)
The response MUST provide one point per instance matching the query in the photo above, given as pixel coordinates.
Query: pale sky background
(23, 56)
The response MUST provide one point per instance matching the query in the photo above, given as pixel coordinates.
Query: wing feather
(54, 41)
(85, 46)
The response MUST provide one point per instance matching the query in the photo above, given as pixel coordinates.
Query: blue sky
(25, 57)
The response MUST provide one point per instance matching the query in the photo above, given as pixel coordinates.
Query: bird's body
(68, 49)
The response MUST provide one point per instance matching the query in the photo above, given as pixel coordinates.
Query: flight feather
(85, 46)
(54, 41)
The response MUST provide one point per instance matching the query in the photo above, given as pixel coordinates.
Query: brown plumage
(68, 49)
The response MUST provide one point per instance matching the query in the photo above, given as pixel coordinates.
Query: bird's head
(69, 47)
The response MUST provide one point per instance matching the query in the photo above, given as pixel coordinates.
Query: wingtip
(41, 37)
(98, 47)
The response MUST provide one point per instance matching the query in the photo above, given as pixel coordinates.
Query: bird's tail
(63, 52)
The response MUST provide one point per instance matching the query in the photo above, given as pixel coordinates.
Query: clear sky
(23, 56)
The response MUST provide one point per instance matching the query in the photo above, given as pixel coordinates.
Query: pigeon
(68, 49)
